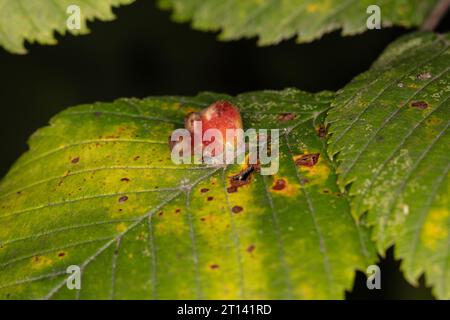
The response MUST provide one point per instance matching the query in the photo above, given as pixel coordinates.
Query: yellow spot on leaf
(305, 291)
(434, 121)
(121, 227)
(38, 262)
(316, 174)
(318, 7)
(282, 186)
(434, 228)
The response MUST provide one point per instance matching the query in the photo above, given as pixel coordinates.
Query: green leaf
(273, 20)
(33, 20)
(390, 133)
(98, 189)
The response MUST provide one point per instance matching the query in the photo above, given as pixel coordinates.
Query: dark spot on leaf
(251, 248)
(136, 158)
(177, 211)
(125, 179)
(242, 178)
(160, 213)
(122, 199)
(279, 184)
(237, 209)
(172, 143)
(321, 131)
(36, 259)
(210, 198)
(326, 191)
(202, 219)
(61, 254)
(419, 104)
(203, 190)
(75, 160)
(214, 266)
(284, 117)
(141, 236)
(307, 160)
(424, 76)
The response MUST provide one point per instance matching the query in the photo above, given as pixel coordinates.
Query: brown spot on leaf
(279, 184)
(210, 198)
(204, 190)
(284, 117)
(136, 158)
(419, 104)
(282, 187)
(177, 210)
(214, 266)
(251, 248)
(242, 178)
(237, 209)
(142, 236)
(125, 179)
(75, 160)
(172, 143)
(307, 160)
(61, 254)
(122, 199)
(321, 131)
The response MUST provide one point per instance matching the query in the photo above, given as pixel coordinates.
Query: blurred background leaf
(273, 21)
(31, 20)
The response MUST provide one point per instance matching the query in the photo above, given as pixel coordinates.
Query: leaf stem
(436, 15)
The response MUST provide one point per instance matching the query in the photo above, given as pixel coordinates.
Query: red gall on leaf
(220, 115)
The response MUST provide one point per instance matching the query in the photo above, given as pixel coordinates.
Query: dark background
(143, 53)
